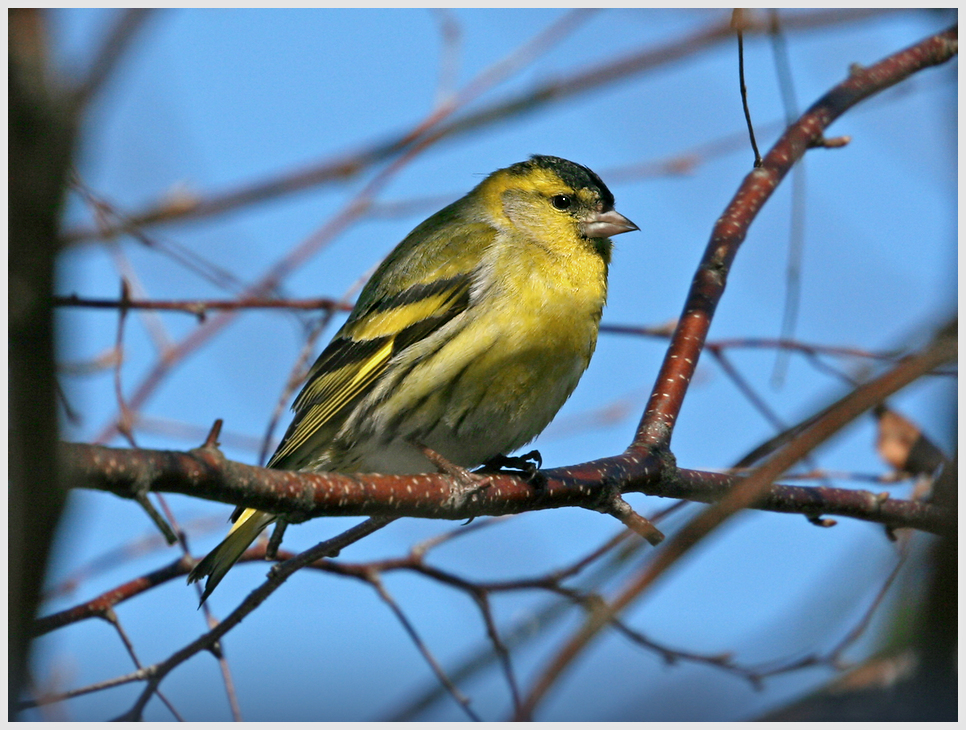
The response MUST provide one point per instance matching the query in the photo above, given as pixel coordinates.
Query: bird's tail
(218, 562)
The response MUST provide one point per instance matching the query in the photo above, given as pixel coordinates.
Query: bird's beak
(604, 224)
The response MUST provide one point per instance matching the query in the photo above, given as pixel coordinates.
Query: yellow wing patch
(393, 321)
(361, 352)
(329, 393)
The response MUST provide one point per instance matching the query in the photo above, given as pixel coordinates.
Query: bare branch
(208, 475)
(709, 282)
(742, 495)
(200, 307)
(461, 699)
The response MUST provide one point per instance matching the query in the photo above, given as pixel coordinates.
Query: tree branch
(731, 228)
(207, 474)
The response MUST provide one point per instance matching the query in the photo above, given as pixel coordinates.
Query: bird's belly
(505, 404)
(489, 388)
(482, 394)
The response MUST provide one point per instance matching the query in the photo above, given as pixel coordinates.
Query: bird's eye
(561, 202)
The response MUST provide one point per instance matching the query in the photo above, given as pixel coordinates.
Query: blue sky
(207, 101)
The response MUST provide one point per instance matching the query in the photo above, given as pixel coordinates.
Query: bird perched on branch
(465, 342)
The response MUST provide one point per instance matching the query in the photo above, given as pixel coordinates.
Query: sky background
(206, 101)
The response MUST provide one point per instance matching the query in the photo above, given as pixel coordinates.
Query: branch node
(820, 521)
(141, 497)
(215, 649)
(276, 539)
(615, 506)
(125, 301)
(108, 615)
(830, 143)
(200, 311)
(211, 441)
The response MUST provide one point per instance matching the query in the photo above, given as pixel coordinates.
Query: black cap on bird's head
(574, 175)
(601, 220)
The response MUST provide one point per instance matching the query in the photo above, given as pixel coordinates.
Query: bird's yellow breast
(544, 306)
(551, 295)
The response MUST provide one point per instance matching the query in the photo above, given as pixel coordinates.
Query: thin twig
(451, 35)
(200, 307)
(229, 683)
(423, 135)
(299, 368)
(278, 575)
(462, 700)
(737, 23)
(707, 288)
(796, 237)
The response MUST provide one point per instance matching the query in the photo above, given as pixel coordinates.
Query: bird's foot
(526, 466)
(465, 479)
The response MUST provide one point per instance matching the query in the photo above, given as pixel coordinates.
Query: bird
(465, 342)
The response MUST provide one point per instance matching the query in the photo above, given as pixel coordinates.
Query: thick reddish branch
(206, 473)
(731, 228)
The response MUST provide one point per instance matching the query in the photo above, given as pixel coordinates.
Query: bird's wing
(423, 284)
(361, 352)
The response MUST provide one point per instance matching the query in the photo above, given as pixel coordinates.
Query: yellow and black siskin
(468, 338)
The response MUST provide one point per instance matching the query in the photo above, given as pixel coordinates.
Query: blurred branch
(806, 348)
(462, 700)
(796, 233)
(300, 367)
(208, 641)
(278, 575)
(420, 137)
(113, 558)
(746, 493)
(358, 161)
(105, 212)
(101, 606)
(451, 35)
(126, 26)
(915, 676)
(586, 596)
(680, 163)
